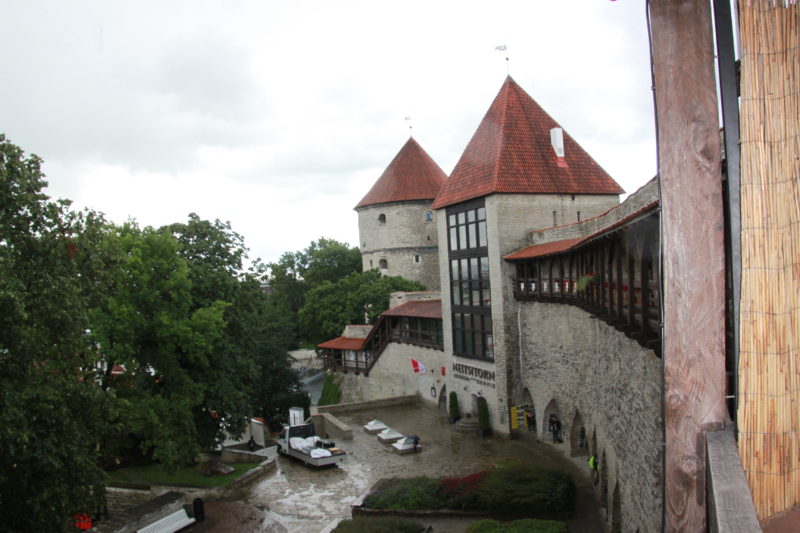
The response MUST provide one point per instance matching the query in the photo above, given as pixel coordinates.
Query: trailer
(301, 442)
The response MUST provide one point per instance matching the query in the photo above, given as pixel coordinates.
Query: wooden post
(692, 251)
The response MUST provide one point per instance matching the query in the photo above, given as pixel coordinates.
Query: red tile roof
(412, 175)
(343, 343)
(511, 152)
(557, 247)
(418, 308)
(548, 248)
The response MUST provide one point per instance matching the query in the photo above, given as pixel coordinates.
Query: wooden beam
(692, 251)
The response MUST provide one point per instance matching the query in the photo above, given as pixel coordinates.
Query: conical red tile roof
(511, 153)
(412, 175)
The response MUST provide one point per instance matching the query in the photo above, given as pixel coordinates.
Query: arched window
(383, 264)
(382, 218)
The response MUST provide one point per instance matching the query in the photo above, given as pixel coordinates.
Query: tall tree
(149, 327)
(296, 273)
(355, 299)
(250, 373)
(52, 415)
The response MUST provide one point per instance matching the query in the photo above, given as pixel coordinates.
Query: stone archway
(551, 410)
(578, 444)
(616, 511)
(443, 399)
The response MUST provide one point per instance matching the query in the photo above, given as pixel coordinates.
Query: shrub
(526, 490)
(528, 525)
(383, 524)
(461, 492)
(455, 411)
(331, 391)
(483, 417)
(406, 494)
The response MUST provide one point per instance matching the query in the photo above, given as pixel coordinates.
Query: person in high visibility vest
(594, 466)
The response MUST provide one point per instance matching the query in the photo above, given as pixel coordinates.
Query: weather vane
(408, 119)
(503, 48)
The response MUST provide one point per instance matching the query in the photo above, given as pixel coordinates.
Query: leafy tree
(251, 371)
(52, 415)
(296, 273)
(355, 299)
(148, 326)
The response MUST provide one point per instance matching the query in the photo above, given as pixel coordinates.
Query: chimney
(557, 140)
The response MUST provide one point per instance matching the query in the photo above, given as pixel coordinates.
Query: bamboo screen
(769, 365)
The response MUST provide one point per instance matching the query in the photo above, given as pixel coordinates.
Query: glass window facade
(469, 281)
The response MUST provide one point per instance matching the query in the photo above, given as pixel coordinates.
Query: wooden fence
(769, 363)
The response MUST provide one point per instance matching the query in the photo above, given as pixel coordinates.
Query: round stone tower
(396, 225)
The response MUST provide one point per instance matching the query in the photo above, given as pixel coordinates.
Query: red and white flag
(419, 368)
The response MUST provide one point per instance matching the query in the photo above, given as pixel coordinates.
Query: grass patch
(528, 525)
(156, 474)
(384, 524)
(331, 391)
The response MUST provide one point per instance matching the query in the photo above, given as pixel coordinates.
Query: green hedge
(511, 489)
(524, 490)
(528, 525)
(384, 524)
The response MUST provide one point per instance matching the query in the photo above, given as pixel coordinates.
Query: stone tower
(396, 225)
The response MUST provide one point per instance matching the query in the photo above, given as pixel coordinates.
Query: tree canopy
(358, 298)
(117, 340)
(296, 273)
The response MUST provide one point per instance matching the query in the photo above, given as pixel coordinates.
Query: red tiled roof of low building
(343, 343)
(511, 152)
(412, 175)
(418, 309)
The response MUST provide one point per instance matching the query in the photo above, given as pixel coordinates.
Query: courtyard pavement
(297, 498)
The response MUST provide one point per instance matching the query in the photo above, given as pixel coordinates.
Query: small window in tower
(555, 218)
(429, 237)
(416, 258)
(370, 263)
(382, 218)
(383, 264)
(573, 197)
(428, 216)
(579, 216)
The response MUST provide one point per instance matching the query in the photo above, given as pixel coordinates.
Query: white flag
(501, 48)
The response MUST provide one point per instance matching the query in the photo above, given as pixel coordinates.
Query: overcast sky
(279, 116)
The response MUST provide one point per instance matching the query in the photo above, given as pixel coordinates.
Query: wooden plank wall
(692, 249)
(769, 363)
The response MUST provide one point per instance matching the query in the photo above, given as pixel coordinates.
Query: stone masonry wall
(580, 368)
(392, 375)
(510, 218)
(405, 234)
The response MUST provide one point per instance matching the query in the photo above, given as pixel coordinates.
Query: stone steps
(466, 425)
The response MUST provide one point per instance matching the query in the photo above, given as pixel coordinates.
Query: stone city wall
(592, 375)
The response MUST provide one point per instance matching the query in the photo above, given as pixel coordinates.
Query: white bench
(170, 523)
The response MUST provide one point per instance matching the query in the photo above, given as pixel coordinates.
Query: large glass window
(469, 281)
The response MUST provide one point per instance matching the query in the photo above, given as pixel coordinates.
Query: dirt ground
(296, 498)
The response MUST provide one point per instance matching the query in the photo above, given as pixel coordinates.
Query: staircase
(467, 425)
